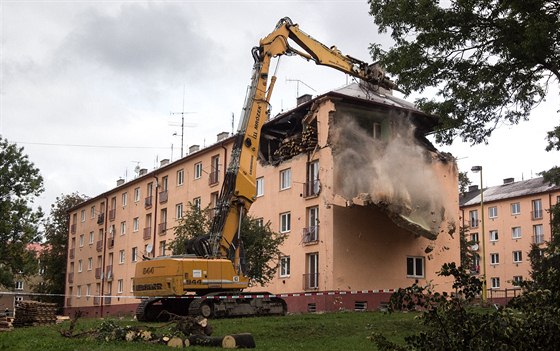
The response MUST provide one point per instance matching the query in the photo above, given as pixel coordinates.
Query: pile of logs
(34, 313)
(6, 325)
(296, 144)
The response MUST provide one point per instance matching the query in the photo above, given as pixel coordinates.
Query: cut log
(176, 342)
(203, 340)
(239, 341)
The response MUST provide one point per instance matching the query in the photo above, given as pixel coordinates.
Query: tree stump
(176, 342)
(203, 340)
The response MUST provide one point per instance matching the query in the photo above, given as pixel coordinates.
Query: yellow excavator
(214, 264)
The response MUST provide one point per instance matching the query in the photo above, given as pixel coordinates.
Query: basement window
(415, 267)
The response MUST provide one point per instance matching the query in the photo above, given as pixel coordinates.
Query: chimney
(120, 182)
(303, 99)
(473, 188)
(508, 180)
(194, 148)
(164, 162)
(222, 136)
(142, 172)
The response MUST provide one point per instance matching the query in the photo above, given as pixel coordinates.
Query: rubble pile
(34, 313)
(296, 144)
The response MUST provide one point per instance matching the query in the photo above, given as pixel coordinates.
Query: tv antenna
(297, 85)
(183, 113)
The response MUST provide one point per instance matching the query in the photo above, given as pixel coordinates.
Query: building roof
(508, 191)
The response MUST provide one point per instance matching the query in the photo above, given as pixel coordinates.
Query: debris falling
(395, 172)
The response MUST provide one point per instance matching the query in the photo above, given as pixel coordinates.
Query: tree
(464, 183)
(54, 255)
(261, 243)
(20, 183)
(491, 61)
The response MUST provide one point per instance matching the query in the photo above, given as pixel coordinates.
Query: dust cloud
(395, 172)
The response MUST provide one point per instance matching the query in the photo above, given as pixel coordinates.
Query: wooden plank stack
(34, 313)
(6, 324)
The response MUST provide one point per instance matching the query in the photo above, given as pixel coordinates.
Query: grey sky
(108, 73)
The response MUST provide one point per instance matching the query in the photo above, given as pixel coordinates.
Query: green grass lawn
(329, 331)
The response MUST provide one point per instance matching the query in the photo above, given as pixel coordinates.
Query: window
(134, 254)
(91, 237)
(150, 189)
(259, 222)
(135, 224)
(136, 194)
(415, 267)
(79, 291)
(196, 203)
(516, 232)
(123, 228)
(312, 185)
(285, 266)
(474, 238)
(495, 281)
(260, 186)
(19, 285)
(493, 235)
(121, 256)
(312, 269)
(88, 290)
(164, 183)
(473, 216)
(517, 256)
(81, 240)
(198, 170)
(214, 169)
(376, 131)
(79, 266)
(180, 177)
(537, 209)
(162, 248)
(124, 199)
(131, 284)
(120, 286)
(515, 208)
(538, 234)
(285, 222)
(92, 210)
(179, 211)
(492, 212)
(285, 179)
(89, 263)
(494, 258)
(83, 215)
(517, 279)
(311, 232)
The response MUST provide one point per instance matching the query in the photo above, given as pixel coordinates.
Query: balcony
(311, 188)
(68, 302)
(99, 245)
(98, 273)
(112, 214)
(311, 281)
(162, 228)
(107, 300)
(538, 239)
(147, 233)
(148, 202)
(96, 300)
(163, 195)
(72, 253)
(73, 229)
(111, 242)
(101, 218)
(537, 214)
(310, 235)
(71, 277)
(109, 270)
(213, 177)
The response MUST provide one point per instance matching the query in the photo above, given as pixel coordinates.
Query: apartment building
(367, 203)
(514, 215)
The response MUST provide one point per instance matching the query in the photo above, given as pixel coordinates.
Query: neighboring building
(516, 215)
(23, 285)
(366, 200)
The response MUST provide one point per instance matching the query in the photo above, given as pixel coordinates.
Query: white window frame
(19, 285)
(179, 211)
(285, 222)
(91, 238)
(83, 215)
(197, 202)
(124, 199)
(494, 235)
(79, 266)
(494, 258)
(92, 210)
(285, 179)
(260, 186)
(473, 218)
(88, 290)
(495, 282)
(517, 256)
(538, 231)
(516, 232)
(134, 254)
(162, 247)
(414, 272)
(120, 286)
(198, 170)
(137, 194)
(284, 266)
(82, 239)
(90, 263)
(123, 227)
(135, 224)
(121, 257)
(517, 279)
(180, 177)
(79, 291)
(515, 208)
(492, 211)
